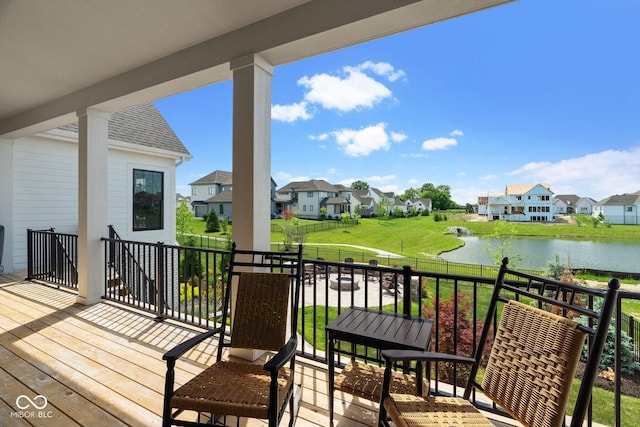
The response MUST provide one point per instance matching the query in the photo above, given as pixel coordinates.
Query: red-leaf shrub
(455, 335)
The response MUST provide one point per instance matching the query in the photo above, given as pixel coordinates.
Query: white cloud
(290, 113)
(287, 177)
(456, 132)
(413, 181)
(356, 143)
(595, 175)
(398, 136)
(383, 69)
(488, 177)
(464, 195)
(354, 90)
(321, 137)
(439, 144)
(377, 178)
(413, 155)
(392, 188)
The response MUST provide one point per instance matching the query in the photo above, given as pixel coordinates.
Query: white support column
(251, 152)
(6, 204)
(251, 160)
(92, 203)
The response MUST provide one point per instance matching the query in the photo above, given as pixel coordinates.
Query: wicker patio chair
(532, 362)
(266, 302)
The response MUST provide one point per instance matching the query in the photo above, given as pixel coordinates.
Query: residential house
(522, 202)
(143, 153)
(564, 204)
(213, 192)
(206, 188)
(619, 209)
(368, 205)
(183, 199)
(482, 207)
(307, 198)
(570, 204)
(419, 205)
(585, 206)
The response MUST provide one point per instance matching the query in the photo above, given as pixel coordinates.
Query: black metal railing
(129, 271)
(185, 283)
(176, 282)
(53, 257)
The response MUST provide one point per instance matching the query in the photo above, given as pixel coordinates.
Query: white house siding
(618, 214)
(45, 192)
(584, 206)
(309, 206)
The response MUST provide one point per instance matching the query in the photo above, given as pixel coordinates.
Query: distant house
(419, 205)
(309, 197)
(213, 192)
(180, 199)
(206, 188)
(521, 202)
(143, 153)
(619, 209)
(570, 204)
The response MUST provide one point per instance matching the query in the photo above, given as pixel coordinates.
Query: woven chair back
(260, 319)
(532, 363)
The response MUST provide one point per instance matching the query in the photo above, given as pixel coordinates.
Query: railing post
(111, 246)
(406, 289)
(159, 282)
(29, 254)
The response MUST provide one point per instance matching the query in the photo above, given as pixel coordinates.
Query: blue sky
(536, 91)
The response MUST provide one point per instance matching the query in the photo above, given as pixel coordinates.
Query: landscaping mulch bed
(629, 384)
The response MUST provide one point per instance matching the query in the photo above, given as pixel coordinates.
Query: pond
(536, 253)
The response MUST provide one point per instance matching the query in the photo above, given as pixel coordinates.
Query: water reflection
(536, 253)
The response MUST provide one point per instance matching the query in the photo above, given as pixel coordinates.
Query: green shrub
(213, 223)
(608, 359)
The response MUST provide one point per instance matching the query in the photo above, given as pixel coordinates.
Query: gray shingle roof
(621, 199)
(312, 185)
(215, 177)
(141, 125)
(222, 197)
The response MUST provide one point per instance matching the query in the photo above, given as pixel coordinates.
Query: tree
(456, 334)
(409, 193)
(500, 244)
(357, 211)
(359, 185)
(323, 213)
(213, 223)
(291, 232)
(184, 220)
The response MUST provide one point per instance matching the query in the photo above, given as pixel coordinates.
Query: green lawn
(418, 237)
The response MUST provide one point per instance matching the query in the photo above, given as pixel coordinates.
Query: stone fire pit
(344, 283)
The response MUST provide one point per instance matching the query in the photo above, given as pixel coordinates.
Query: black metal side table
(376, 329)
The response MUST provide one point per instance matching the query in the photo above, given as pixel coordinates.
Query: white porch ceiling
(60, 56)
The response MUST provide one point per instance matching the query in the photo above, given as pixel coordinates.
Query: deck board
(101, 365)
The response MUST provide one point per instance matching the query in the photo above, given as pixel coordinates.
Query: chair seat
(232, 388)
(365, 381)
(433, 411)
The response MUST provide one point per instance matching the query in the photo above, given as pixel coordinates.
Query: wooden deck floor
(101, 365)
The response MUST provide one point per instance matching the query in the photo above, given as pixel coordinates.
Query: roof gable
(215, 177)
(141, 125)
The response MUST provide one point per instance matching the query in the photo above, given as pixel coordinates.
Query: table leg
(330, 362)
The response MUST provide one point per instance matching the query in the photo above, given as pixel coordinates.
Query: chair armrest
(181, 348)
(423, 356)
(283, 356)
